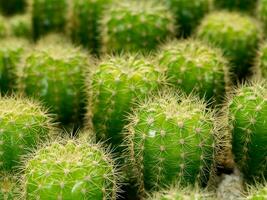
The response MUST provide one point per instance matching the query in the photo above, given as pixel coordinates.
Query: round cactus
(170, 142)
(241, 5)
(84, 22)
(237, 34)
(262, 13)
(135, 26)
(55, 73)
(20, 26)
(11, 7)
(11, 53)
(193, 65)
(23, 125)
(114, 87)
(48, 15)
(247, 118)
(188, 14)
(74, 170)
(9, 189)
(258, 192)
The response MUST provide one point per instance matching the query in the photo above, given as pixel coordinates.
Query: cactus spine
(193, 65)
(9, 187)
(71, 170)
(136, 26)
(23, 125)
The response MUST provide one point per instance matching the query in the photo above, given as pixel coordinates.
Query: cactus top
(70, 171)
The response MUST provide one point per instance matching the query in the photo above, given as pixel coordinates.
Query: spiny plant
(258, 192)
(48, 15)
(136, 26)
(188, 14)
(23, 125)
(236, 34)
(9, 187)
(262, 12)
(55, 74)
(20, 26)
(85, 22)
(71, 170)
(240, 5)
(11, 54)
(114, 87)
(247, 119)
(170, 138)
(260, 68)
(191, 64)
(11, 7)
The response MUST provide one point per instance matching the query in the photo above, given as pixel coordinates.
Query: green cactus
(114, 87)
(236, 34)
(9, 187)
(48, 15)
(262, 13)
(11, 54)
(247, 119)
(23, 125)
(73, 170)
(20, 26)
(260, 68)
(55, 73)
(240, 5)
(10, 7)
(258, 192)
(188, 14)
(84, 22)
(170, 142)
(136, 26)
(193, 65)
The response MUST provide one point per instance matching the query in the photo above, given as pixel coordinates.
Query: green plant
(236, 34)
(23, 125)
(20, 26)
(262, 13)
(170, 138)
(71, 170)
(9, 189)
(3, 27)
(114, 87)
(55, 73)
(192, 65)
(241, 5)
(136, 26)
(85, 22)
(258, 192)
(48, 15)
(247, 119)
(10, 7)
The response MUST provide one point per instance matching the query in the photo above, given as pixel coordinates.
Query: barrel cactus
(9, 187)
(188, 14)
(23, 125)
(55, 74)
(11, 7)
(136, 26)
(193, 65)
(20, 26)
(48, 15)
(11, 54)
(238, 35)
(114, 87)
(170, 138)
(71, 170)
(84, 22)
(240, 5)
(247, 113)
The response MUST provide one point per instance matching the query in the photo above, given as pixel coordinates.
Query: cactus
(247, 113)
(9, 189)
(238, 35)
(240, 5)
(48, 15)
(170, 141)
(55, 73)
(136, 26)
(188, 14)
(114, 87)
(20, 26)
(23, 125)
(84, 22)
(258, 192)
(262, 13)
(11, 53)
(260, 68)
(72, 170)
(10, 7)
(3, 27)
(192, 65)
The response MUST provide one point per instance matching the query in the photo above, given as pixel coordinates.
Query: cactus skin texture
(170, 142)
(240, 5)
(85, 22)
(10, 7)
(11, 53)
(136, 26)
(262, 13)
(247, 119)
(118, 82)
(74, 170)
(20, 26)
(55, 73)
(191, 64)
(48, 16)
(236, 34)
(9, 189)
(23, 125)
(188, 14)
